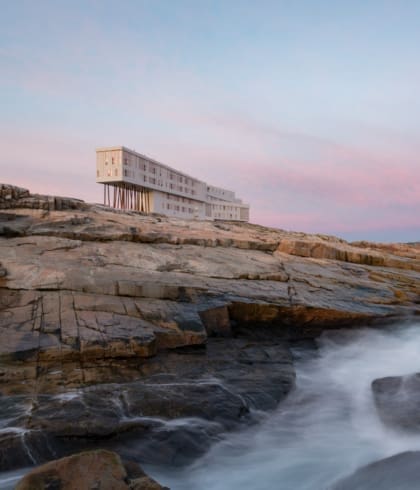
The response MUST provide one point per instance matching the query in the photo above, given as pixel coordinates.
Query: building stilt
(127, 196)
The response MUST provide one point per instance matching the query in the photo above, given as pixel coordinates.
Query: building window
(97, 173)
(112, 160)
(115, 172)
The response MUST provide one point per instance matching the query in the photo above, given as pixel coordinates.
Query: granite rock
(397, 399)
(98, 469)
(118, 326)
(401, 471)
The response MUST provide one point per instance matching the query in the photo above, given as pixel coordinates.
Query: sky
(308, 109)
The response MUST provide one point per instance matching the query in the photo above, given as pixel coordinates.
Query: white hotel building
(134, 181)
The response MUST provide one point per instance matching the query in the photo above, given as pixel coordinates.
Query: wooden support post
(127, 196)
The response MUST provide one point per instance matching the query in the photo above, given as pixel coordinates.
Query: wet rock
(208, 400)
(87, 416)
(397, 399)
(180, 403)
(401, 472)
(14, 449)
(88, 470)
(176, 443)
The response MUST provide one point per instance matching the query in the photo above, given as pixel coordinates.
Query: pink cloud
(319, 167)
(365, 182)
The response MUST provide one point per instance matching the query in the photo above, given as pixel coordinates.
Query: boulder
(397, 399)
(89, 470)
(401, 471)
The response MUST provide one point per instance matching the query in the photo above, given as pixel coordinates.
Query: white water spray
(327, 428)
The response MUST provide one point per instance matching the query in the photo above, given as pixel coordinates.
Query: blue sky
(309, 110)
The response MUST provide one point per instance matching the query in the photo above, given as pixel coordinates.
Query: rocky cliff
(165, 318)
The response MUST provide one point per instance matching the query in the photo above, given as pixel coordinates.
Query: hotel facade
(135, 182)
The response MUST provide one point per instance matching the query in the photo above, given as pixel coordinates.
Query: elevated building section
(134, 181)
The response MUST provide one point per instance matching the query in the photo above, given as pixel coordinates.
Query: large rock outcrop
(116, 324)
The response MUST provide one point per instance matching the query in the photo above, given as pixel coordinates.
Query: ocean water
(327, 428)
(9, 479)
